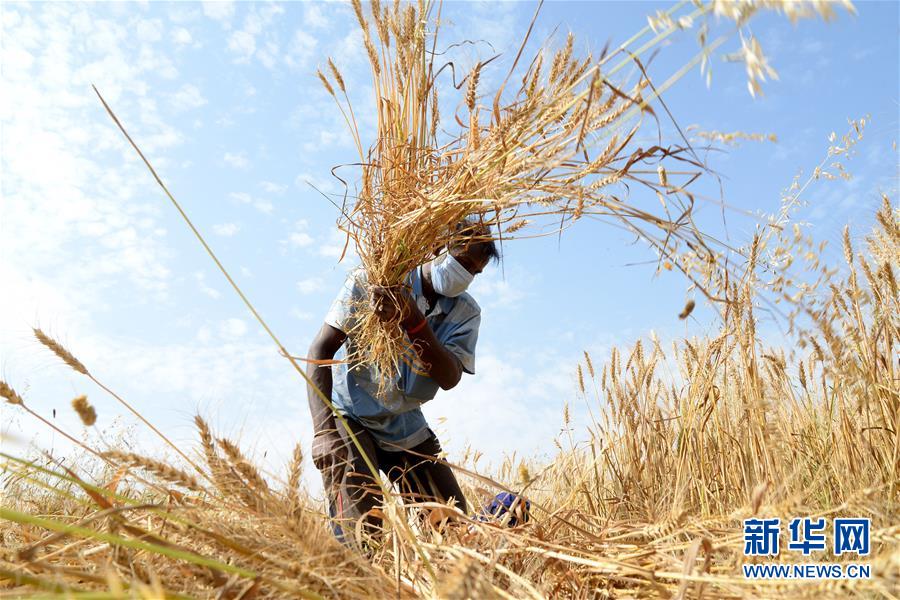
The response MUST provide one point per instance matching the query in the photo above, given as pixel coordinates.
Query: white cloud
(301, 50)
(150, 61)
(226, 229)
(233, 328)
(263, 206)
(314, 17)
(496, 289)
(331, 250)
(301, 315)
(149, 30)
(243, 44)
(300, 239)
(181, 36)
(237, 160)
(298, 236)
(334, 247)
(349, 51)
(183, 12)
(219, 10)
(268, 54)
(212, 292)
(188, 97)
(310, 285)
(273, 188)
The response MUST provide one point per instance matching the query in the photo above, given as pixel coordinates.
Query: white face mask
(448, 276)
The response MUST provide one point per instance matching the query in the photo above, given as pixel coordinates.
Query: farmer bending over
(441, 320)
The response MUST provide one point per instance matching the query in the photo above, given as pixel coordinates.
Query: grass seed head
(688, 309)
(85, 410)
(10, 395)
(325, 82)
(60, 351)
(589, 363)
(472, 88)
(336, 74)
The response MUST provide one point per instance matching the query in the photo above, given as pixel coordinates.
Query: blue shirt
(395, 418)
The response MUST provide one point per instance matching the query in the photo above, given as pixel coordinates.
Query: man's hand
(394, 304)
(328, 449)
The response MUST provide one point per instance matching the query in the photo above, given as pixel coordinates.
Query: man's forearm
(322, 416)
(442, 365)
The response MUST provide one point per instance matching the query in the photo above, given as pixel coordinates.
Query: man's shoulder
(358, 273)
(467, 304)
(357, 278)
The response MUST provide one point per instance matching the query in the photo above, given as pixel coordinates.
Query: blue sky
(223, 99)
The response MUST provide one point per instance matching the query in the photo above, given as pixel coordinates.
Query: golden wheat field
(685, 441)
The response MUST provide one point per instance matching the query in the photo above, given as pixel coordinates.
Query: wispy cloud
(238, 160)
(233, 328)
(273, 188)
(494, 289)
(220, 10)
(263, 206)
(256, 39)
(298, 237)
(333, 247)
(149, 30)
(301, 49)
(310, 285)
(182, 37)
(226, 229)
(314, 16)
(188, 97)
(301, 315)
(200, 278)
(242, 44)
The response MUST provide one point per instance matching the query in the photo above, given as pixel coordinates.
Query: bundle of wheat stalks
(549, 150)
(649, 506)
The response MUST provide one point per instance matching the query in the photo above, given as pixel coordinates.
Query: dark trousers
(353, 494)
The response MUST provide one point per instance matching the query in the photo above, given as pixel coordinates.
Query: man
(441, 321)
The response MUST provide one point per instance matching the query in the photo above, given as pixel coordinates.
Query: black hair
(477, 235)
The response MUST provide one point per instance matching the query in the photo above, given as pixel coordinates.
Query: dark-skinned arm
(324, 347)
(442, 365)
